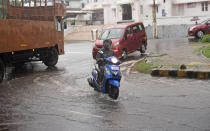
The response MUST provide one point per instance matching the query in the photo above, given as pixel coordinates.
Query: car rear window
(136, 29)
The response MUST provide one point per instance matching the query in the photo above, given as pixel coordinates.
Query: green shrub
(206, 39)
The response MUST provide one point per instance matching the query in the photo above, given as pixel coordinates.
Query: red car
(200, 29)
(126, 38)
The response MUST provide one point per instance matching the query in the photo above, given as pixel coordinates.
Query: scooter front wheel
(113, 92)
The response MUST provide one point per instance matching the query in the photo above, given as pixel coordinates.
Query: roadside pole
(154, 21)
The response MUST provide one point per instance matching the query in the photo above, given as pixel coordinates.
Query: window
(204, 6)
(141, 9)
(141, 27)
(31, 3)
(26, 3)
(59, 25)
(42, 2)
(163, 12)
(12, 2)
(157, 9)
(136, 29)
(83, 5)
(114, 12)
(191, 5)
(38, 2)
(50, 2)
(128, 31)
(67, 3)
(208, 22)
(19, 3)
(1, 9)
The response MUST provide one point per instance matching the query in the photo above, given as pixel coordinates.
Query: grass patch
(156, 54)
(206, 39)
(174, 66)
(199, 44)
(157, 60)
(147, 68)
(192, 66)
(163, 55)
(144, 67)
(206, 51)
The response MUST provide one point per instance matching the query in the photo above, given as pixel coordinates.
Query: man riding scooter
(106, 78)
(103, 53)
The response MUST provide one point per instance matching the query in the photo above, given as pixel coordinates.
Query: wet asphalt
(37, 98)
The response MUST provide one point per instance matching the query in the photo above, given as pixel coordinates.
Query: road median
(181, 73)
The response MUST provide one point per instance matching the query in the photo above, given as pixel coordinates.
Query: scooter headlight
(114, 60)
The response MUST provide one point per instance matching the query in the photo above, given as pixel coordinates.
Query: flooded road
(37, 98)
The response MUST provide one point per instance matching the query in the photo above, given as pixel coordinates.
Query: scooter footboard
(115, 83)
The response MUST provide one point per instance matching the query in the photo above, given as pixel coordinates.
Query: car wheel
(143, 49)
(2, 70)
(124, 54)
(199, 34)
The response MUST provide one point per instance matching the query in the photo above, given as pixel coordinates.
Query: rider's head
(107, 44)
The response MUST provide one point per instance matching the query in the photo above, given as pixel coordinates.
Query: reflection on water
(111, 110)
(28, 69)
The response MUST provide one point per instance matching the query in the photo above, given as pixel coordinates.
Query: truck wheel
(19, 65)
(2, 70)
(199, 34)
(52, 58)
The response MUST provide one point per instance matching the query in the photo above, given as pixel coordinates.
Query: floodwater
(37, 98)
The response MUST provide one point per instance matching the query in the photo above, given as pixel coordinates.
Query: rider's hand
(101, 59)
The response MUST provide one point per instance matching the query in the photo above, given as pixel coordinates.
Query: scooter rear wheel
(113, 92)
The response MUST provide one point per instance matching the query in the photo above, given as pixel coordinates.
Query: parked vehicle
(30, 31)
(199, 30)
(112, 77)
(126, 38)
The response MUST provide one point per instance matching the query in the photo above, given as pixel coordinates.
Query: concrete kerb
(181, 73)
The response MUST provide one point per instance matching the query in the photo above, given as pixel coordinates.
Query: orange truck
(30, 30)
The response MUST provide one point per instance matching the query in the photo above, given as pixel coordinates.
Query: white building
(169, 12)
(96, 10)
(74, 9)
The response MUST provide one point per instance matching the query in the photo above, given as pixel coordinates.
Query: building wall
(197, 10)
(183, 12)
(73, 4)
(169, 31)
(176, 14)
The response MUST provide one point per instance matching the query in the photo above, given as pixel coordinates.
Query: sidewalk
(80, 33)
(188, 55)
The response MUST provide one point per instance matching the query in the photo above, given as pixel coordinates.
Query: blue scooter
(112, 77)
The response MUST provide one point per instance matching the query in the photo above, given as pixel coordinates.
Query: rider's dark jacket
(103, 53)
